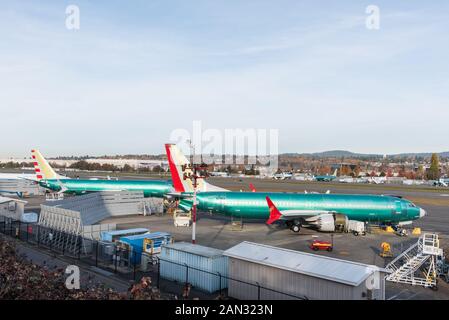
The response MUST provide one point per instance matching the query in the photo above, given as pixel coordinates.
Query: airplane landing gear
(294, 226)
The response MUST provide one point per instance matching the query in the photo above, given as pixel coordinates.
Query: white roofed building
(286, 274)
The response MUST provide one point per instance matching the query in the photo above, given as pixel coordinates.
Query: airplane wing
(276, 214)
(30, 179)
(180, 195)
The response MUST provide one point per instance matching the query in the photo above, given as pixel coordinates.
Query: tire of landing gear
(295, 228)
(356, 233)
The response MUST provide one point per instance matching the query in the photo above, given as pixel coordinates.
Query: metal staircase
(420, 257)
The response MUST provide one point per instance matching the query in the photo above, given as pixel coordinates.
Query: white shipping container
(198, 265)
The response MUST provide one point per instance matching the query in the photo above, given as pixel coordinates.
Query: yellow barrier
(416, 231)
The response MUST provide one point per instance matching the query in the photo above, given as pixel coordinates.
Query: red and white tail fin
(42, 167)
(275, 214)
(179, 169)
(252, 187)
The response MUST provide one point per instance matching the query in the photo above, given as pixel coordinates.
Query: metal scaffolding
(417, 264)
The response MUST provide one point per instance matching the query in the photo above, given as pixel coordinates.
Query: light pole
(194, 176)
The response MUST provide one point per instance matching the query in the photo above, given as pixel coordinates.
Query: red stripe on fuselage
(177, 183)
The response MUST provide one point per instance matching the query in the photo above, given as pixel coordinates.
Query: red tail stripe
(177, 183)
(36, 164)
(33, 156)
(37, 170)
(275, 214)
(39, 176)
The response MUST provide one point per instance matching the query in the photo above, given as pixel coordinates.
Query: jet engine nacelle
(329, 222)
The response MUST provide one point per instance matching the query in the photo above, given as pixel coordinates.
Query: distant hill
(349, 154)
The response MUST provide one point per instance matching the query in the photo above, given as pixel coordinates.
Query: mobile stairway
(417, 264)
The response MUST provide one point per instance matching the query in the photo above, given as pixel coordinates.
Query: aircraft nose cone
(422, 212)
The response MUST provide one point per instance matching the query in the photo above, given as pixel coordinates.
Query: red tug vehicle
(321, 245)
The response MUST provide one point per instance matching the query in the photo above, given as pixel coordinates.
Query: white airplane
(219, 174)
(282, 176)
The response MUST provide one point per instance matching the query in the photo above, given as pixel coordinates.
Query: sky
(137, 70)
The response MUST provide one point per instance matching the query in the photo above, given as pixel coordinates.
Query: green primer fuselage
(150, 188)
(253, 205)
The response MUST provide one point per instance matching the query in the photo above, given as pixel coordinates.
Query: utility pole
(196, 169)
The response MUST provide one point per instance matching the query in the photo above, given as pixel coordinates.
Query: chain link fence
(126, 264)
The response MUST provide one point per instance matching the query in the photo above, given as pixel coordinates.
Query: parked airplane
(219, 174)
(49, 179)
(442, 182)
(283, 176)
(327, 178)
(325, 212)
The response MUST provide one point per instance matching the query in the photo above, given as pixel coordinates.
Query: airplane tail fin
(275, 214)
(252, 187)
(178, 163)
(335, 172)
(41, 166)
(179, 169)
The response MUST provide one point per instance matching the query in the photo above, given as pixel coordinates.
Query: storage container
(198, 265)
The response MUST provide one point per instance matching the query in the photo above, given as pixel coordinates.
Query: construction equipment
(422, 258)
(386, 250)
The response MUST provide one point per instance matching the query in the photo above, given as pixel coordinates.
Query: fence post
(134, 268)
(258, 290)
(28, 234)
(18, 233)
(96, 254)
(10, 227)
(51, 240)
(219, 275)
(38, 235)
(116, 251)
(79, 247)
(158, 271)
(187, 274)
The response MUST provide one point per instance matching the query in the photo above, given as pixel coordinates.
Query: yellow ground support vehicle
(385, 250)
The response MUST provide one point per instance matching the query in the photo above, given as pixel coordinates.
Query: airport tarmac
(218, 232)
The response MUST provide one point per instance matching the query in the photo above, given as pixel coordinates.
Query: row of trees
(84, 165)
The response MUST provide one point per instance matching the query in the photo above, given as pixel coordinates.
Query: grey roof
(5, 200)
(196, 249)
(343, 271)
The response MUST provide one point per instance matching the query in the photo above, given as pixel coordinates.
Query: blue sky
(136, 70)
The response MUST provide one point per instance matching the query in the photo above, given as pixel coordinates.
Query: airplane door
(400, 207)
(221, 203)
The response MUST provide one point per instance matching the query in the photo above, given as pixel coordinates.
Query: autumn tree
(434, 170)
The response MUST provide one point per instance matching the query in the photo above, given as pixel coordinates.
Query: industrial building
(287, 274)
(13, 209)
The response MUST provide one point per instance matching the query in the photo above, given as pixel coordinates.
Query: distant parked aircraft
(327, 178)
(283, 176)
